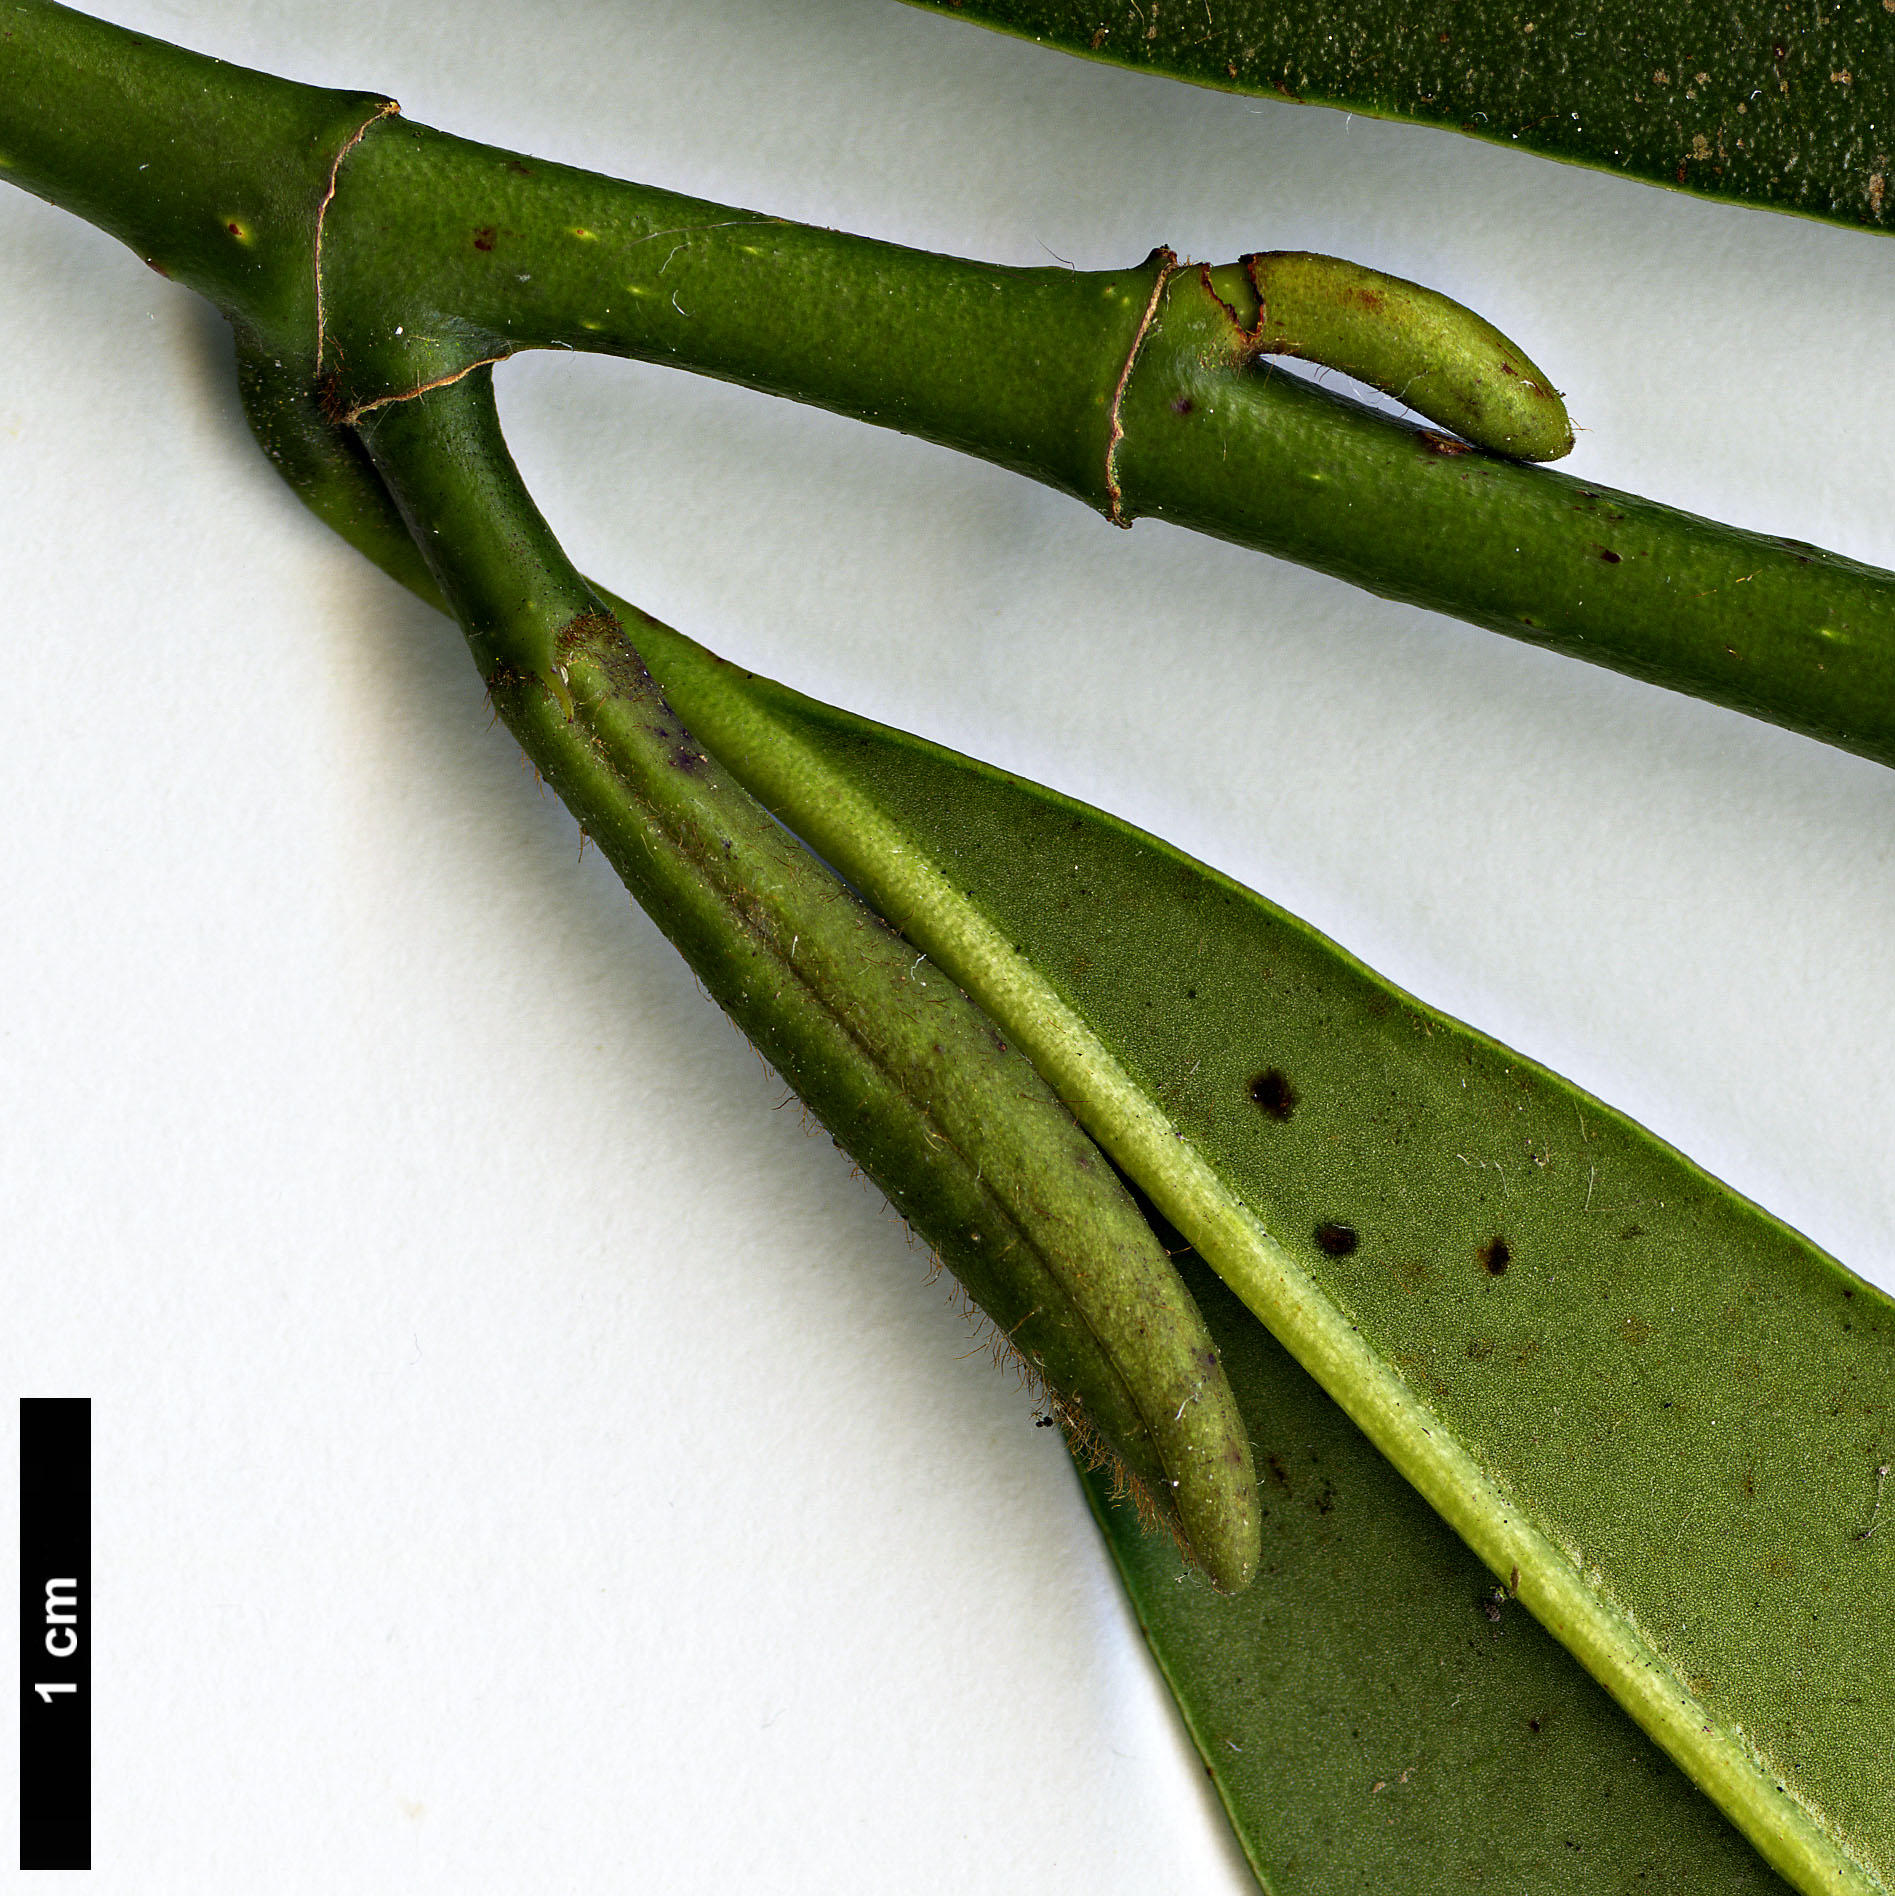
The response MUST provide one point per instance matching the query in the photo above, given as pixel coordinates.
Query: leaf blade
(1364, 1720)
(1699, 1653)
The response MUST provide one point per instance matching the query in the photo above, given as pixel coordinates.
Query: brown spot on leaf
(1336, 1240)
(1442, 444)
(1274, 1094)
(483, 238)
(1495, 1255)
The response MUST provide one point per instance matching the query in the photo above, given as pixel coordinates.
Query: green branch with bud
(1002, 1065)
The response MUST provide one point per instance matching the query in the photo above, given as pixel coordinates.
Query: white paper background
(524, 1459)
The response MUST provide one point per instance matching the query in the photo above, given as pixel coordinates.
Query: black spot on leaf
(1273, 1092)
(1336, 1240)
(1495, 1255)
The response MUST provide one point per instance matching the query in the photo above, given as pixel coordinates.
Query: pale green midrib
(853, 832)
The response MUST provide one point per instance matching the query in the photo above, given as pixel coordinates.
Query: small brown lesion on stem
(604, 641)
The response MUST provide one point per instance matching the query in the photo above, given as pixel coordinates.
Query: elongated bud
(1423, 348)
(953, 1124)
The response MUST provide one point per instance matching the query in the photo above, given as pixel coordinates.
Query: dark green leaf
(1661, 1416)
(1372, 1715)
(1787, 109)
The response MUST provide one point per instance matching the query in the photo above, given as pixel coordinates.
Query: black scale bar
(55, 1633)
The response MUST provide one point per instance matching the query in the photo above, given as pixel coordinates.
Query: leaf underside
(1685, 1397)
(1373, 1718)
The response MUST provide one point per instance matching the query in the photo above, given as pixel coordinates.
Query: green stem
(1138, 391)
(1496, 1504)
(227, 180)
(1501, 1519)
(475, 253)
(1134, 374)
(948, 1119)
(213, 174)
